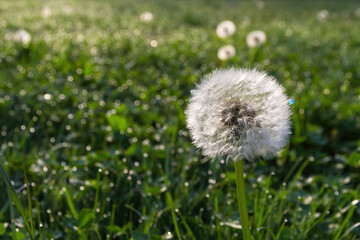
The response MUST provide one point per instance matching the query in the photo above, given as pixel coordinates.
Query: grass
(95, 115)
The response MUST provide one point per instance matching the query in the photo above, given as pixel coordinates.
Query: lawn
(92, 103)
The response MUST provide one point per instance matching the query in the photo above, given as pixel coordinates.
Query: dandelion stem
(240, 192)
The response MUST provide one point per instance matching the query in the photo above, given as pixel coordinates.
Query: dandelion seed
(225, 29)
(239, 113)
(146, 17)
(255, 38)
(322, 15)
(226, 52)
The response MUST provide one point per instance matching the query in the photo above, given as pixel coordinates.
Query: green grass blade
(188, 229)
(12, 215)
(217, 220)
(71, 204)
(16, 201)
(170, 203)
(97, 191)
(41, 235)
(351, 229)
(29, 201)
(345, 222)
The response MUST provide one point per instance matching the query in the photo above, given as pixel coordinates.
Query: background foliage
(92, 111)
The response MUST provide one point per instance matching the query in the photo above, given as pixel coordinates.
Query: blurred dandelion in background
(246, 22)
(357, 12)
(225, 29)
(255, 38)
(19, 36)
(46, 12)
(67, 9)
(146, 17)
(226, 52)
(322, 15)
(260, 5)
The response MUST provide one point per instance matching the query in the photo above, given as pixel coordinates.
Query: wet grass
(93, 110)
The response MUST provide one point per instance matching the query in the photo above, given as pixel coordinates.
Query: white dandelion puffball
(226, 52)
(239, 113)
(19, 36)
(46, 12)
(322, 15)
(146, 17)
(357, 12)
(255, 38)
(225, 29)
(260, 5)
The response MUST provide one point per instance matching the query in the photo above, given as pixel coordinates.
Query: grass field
(92, 113)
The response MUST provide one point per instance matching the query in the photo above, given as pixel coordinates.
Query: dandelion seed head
(239, 113)
(225, 29)
(322, 15)
(19, 36)
(47, 96)
(46, 12)
(255, 38)
(226, 52)
(146, 17)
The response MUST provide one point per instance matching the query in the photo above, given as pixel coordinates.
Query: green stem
(240, 192)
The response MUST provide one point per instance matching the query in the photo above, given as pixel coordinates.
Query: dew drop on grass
(169, 235)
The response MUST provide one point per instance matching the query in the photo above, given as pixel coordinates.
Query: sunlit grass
(94, 111)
